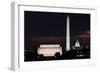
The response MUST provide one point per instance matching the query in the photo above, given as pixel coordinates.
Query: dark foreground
(67, 55)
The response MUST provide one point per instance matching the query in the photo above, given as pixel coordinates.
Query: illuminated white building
(77, 44)
(49, 50)
(68, 34)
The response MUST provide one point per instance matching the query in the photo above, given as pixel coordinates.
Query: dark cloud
(50, 27)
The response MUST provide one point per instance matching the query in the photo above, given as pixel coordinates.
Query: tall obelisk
(68, 34)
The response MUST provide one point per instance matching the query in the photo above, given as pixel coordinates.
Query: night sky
(50, 28)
